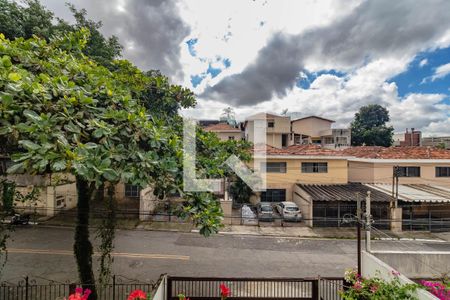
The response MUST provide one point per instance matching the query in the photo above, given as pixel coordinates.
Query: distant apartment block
(408, 138)
(317, 130)
(283, 132)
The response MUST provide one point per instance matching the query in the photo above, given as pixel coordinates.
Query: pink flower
(373, 289)
(79, 295)
(357, 285)
(395, 273)
(137, 295)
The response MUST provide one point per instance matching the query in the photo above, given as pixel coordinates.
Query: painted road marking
(117, 254)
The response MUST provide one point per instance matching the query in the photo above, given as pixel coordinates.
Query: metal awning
(343, 192)
(416, 192)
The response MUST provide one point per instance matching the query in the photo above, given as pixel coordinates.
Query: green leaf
(110, 175)
(6, 61)
(17, 168)
(7, 99)
(29, 145)
(32, 115)
(59, 165)
(14, 77)
(90, 145)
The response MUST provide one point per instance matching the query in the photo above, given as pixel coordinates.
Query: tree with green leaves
(370, 127)
(65, 113)
(32, 18)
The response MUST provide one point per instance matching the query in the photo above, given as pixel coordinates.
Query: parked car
(289, 211)
(265, 212)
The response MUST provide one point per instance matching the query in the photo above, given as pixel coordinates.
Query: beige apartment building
(296, 164)
(278, 129)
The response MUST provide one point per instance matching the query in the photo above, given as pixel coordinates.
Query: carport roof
(416, 192)
(343, 192)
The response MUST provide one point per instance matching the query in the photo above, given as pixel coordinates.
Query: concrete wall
(369, 172)
(310, 126)
(417, 264)
(282, 125)
(305, 203)
(224, 136)
(374, 267)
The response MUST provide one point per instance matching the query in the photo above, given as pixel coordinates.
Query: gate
(198, 288)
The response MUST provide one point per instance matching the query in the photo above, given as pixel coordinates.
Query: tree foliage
(31, 18)
(369, 127)
(66, 113)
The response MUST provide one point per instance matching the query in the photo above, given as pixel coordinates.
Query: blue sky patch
(417, 78)
(197, 79)
(191, 46)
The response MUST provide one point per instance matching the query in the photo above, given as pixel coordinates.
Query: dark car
(265, 212)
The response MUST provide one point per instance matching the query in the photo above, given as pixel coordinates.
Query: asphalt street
(46, 253)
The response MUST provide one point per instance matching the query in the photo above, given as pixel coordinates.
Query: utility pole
(358, 230)
(368, 222)
(395, 176)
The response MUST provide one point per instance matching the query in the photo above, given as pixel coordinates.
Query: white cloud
(423, 62)
(441, 72)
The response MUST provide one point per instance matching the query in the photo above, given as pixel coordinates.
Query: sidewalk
(274, 231)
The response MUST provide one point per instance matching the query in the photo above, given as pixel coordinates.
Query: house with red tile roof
(416, 165)
(225, 131)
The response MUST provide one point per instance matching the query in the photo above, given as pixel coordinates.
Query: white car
(289, 211)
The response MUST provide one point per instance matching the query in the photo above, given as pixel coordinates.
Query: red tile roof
(221, 127)
(375, 152)
(301, 150)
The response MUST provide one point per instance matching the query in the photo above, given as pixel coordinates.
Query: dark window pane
(314, 167)
(274, 167)
(408, 171)
(273, 195)
(442, 171)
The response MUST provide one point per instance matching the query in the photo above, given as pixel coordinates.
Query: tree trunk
(82, 247)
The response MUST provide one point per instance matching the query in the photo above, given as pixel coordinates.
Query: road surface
(46, 252)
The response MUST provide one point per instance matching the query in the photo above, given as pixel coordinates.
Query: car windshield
(291, 208)
(266, 208)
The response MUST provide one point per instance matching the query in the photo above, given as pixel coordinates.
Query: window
(314, 167)
(408, 171)
(132, 191)
(273, 195)
(284, 140)
(274, 167)
(231, 138)
(442, 171)
(271, 123)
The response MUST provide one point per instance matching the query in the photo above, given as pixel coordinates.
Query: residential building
(278, 129)
(297, 164)
(317, 130)
(443, 141)
(408, 138)
(417, 165)
(225, 131)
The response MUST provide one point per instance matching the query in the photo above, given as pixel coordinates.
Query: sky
(311, 57)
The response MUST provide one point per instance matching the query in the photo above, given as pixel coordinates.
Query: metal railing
(196, 288)
(28, 289)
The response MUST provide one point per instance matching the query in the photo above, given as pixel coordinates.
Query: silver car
(289, 211)
(265, 212)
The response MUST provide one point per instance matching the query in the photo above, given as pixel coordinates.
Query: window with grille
(273, 195)
(271, 124)
(314, 167)
(442, 171)
(274, 167)
(408, 171)
(132, 191)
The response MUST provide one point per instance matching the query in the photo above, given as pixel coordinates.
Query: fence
(256, 288)
(29, 289)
